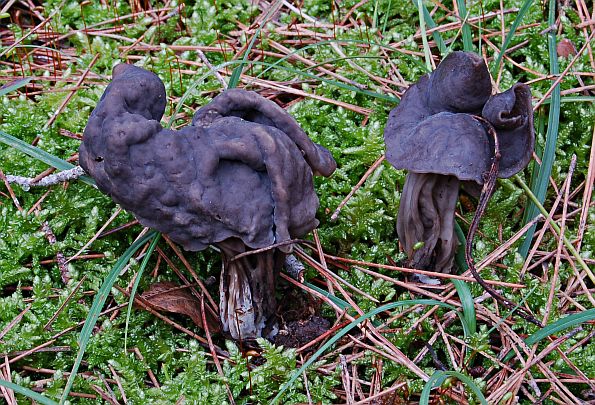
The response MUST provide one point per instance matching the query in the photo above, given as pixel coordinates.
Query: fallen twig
(486, 193)
(367, 174)
(27, 182)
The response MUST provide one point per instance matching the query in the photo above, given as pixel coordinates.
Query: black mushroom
(239, 177)
(440, 133)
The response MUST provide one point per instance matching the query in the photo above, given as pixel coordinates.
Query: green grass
(96, 307)
(539, 188)
(439, 377)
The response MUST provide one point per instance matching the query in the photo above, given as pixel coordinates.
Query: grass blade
(97, 305)
(460, 254)
(234, 79)
(469, 317)
(439, 377)
(41, 155)
(561, 324)
(237, 72)
(573, 99)
(346, 329)
(136, 283)
(386, 17)
(336, 300)
(558, 326)
(551, 139)
(14, 85)
(515, 25)
(435, 34)
(424, 37)
(467, 303)
(27, 392)
(34, 152)
(466, 29)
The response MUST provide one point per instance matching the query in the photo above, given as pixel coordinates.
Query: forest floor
(357, 327)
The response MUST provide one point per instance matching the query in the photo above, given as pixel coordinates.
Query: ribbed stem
(425, 223)
(247, 291)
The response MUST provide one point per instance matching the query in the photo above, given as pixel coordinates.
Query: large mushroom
(440, 133)
(239, 177)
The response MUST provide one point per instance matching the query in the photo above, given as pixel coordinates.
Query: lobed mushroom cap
(511, 114)
(127, 113)
(444, 143)
(231, 176)
(460, 83)
(433, 129)
(252, 107)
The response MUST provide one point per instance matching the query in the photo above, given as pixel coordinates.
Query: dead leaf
(566, 48)
(168, 296)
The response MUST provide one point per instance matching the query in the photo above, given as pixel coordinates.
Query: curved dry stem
(247, 291)
(486, 193)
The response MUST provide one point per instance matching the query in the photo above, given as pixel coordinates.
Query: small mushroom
(239, 177)
(440, 133)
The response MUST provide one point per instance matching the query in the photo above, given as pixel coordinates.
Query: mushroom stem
(425, 223)
(247, 291)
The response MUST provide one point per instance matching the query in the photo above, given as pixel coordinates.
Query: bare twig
(205, 60)
(486, 193)
(367, 174)
(66, 175)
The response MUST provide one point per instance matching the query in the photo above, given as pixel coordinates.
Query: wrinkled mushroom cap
(433, 129)
(252, 107)
(511, 114)
(233, 175)
(460, 83)
(445, 143)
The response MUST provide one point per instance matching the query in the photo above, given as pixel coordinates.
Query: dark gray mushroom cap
(433, 129)
(460, 83)
(242, 170)
(511, 114)
(252, 107)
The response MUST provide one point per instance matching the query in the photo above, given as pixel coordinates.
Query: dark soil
(298, 333)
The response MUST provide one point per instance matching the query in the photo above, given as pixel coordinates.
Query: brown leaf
(168, 296)
(566, 48)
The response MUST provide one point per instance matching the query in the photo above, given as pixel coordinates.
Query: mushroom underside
(425, 223)
(247, 291)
